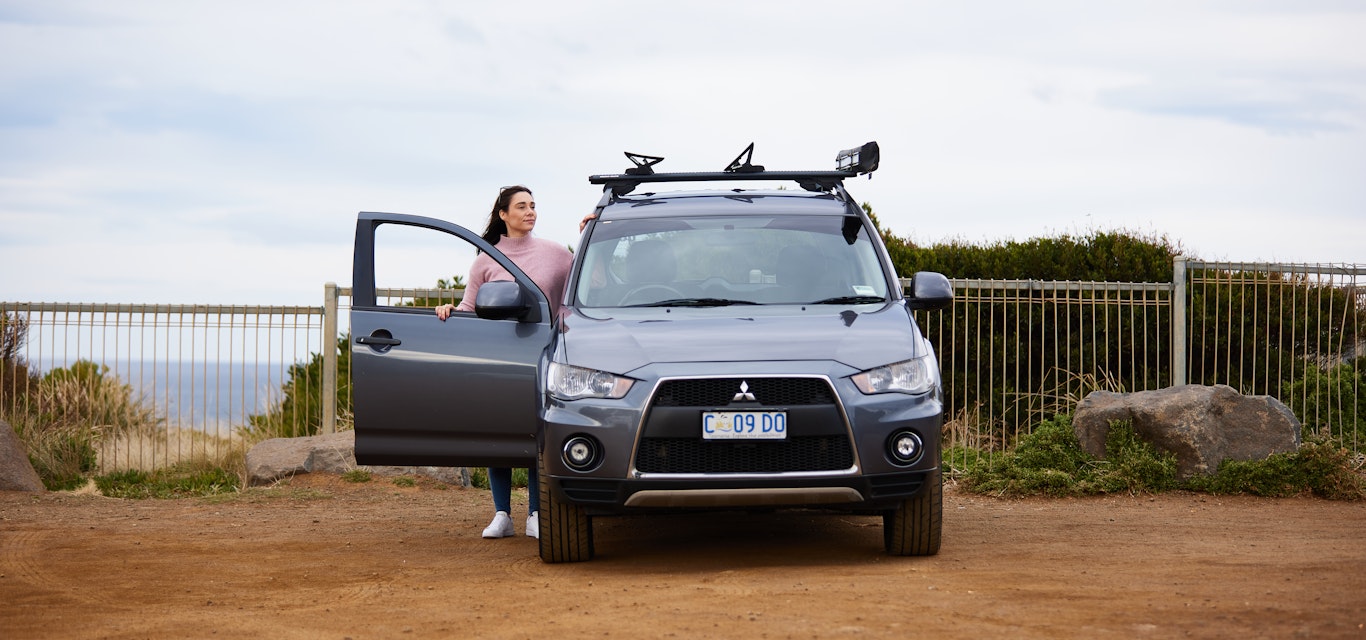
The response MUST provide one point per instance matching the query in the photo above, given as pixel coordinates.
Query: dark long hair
(497, 228)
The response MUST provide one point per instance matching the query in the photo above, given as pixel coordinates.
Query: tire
(914, 527)
(566, 531)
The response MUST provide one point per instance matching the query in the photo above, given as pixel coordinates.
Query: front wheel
(913, 528)
(566, 531)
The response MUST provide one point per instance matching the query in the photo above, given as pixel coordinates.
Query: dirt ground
(322, 558)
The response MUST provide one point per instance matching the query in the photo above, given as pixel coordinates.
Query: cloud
(198, 135)
(1274, 102)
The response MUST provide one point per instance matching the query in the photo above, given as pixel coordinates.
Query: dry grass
(81, 421)
(1069, 391)
(148, 451)
(968, 429)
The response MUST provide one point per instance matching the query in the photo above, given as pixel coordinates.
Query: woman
(547, 264)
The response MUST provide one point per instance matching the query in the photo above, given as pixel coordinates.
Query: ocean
(211, 397)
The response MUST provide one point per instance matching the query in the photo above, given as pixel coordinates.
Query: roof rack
(849, 163)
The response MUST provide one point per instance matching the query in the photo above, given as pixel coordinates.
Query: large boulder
(1201, 425)
(16, 472)
(279, 458)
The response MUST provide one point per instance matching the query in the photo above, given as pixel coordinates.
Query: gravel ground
(323, 558)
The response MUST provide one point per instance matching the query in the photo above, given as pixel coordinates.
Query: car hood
(624, 342)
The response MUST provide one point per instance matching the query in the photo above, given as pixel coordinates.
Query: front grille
(691, 455)
(719, 392)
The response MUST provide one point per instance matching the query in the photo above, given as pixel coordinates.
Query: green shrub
(181, 480)
(1328, 401)
(1042, 462)
(1319, 467)
(300, 412)
(64, 416)
(479, 478)
(1330, 471)
(63, 457)
(1132, 465)
(1050, 461)
(356, 475)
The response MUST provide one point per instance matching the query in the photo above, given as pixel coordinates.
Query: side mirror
(928, 290)
(501, 300)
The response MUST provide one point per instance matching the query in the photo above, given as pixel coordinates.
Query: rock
(279, 458)
(16, 472)
(449, 475)
(1201, 425)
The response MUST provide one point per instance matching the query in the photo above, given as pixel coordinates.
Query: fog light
(905, 447)
(581, 453)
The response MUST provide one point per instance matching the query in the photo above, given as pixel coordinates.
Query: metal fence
(1296, 332)
(160, 384)
(1011, 352)
(1014, 352)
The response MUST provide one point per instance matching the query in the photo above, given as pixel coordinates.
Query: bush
(479, 478)
(64, 416)
(1328, 401)
(1113, 256)
(356, 475)
(1132, 464)
(177, 481)
(1050, 461)
(63, 456)
(15, 377)
(1319, 467)
(300, 413)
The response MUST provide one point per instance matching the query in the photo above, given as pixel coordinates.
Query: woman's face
(520, 215)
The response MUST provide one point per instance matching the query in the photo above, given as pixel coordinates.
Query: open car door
(464, 392)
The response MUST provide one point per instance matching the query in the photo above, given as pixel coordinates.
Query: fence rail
(1011, 352)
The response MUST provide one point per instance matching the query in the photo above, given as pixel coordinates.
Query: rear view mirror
(502, 300)
(929, 290)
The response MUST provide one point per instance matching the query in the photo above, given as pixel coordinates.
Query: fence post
(1178, 321)
(329, 348)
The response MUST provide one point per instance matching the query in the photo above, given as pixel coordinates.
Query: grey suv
(718, 349)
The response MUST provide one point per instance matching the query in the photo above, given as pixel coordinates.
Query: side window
(419, 267)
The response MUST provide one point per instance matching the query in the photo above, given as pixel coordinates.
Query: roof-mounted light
(860, 160)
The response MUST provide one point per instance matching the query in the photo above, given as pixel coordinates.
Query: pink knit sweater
(545, 261)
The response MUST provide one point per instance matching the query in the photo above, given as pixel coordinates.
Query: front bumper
(837, 454)
(870, 492)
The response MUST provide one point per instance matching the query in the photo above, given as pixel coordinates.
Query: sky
(183, 151)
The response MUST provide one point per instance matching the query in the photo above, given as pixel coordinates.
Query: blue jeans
(500, 483)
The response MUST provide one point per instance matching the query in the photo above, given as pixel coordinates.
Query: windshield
(717, 261)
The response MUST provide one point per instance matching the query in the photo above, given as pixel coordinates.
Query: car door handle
(379, 341)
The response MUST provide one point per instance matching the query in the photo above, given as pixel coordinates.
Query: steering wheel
(638, 294)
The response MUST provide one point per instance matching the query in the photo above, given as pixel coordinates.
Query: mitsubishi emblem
(744, 395)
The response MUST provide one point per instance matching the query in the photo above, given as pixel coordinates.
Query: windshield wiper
(695, 302)
(851, 300)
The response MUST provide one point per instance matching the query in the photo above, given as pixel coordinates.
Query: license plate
(744, 425)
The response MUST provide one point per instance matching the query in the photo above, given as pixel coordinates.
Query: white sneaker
(533, 525)
(501, 527)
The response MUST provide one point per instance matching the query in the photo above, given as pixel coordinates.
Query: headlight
(910, 376)
(572, 383)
